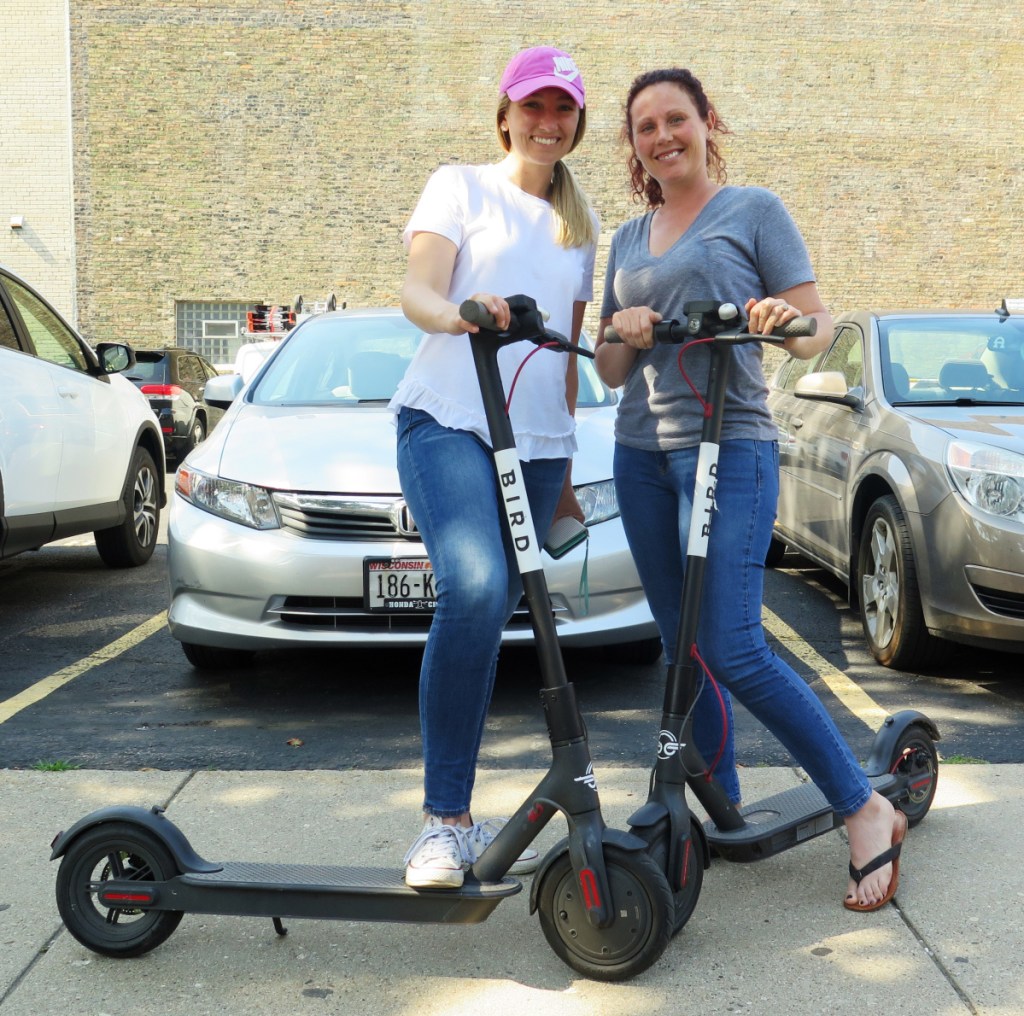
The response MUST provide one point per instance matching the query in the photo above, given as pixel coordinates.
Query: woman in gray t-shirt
(703, 240)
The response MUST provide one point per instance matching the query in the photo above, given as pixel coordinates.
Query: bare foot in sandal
(876, 833)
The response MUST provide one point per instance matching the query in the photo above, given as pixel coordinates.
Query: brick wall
(236, 149)
(35, 148)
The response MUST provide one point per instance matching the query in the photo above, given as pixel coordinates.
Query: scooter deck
(326, 892)
(782, 821)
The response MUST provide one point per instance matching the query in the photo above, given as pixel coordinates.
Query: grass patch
(962, 760)
(55, 765)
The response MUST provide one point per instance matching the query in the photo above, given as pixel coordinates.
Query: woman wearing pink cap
(521, 225)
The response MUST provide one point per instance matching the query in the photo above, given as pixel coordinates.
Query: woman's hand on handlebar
(635, 326)
(495, 305)
(763, 316)
(803, 300)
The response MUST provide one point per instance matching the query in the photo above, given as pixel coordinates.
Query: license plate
(398, 585)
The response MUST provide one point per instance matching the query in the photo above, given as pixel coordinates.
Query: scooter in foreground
(128, 875)
(903, 763)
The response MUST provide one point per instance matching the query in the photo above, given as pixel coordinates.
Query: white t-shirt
(506, 246)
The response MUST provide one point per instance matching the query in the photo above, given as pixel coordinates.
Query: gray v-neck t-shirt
(743, 244)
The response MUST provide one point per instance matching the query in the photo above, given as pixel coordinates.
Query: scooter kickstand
(279, 927)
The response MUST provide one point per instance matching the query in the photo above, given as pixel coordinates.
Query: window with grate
(211, 329)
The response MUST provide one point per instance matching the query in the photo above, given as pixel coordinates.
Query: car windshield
(959, 359)
(359, 359)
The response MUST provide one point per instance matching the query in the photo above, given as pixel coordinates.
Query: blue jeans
(655, 491)
(448, 480)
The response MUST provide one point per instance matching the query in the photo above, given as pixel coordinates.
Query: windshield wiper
(962, 401)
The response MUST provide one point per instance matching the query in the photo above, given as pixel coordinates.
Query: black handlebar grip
(798, 327)
(611, 335)
(476, 313)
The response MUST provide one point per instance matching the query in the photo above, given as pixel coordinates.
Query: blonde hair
(568, 202)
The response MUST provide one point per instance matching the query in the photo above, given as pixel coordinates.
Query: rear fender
(152, 820)
(880, 760)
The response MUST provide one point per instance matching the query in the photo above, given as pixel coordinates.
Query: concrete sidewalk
(767, 938)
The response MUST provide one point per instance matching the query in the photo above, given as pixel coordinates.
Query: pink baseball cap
(542, 67)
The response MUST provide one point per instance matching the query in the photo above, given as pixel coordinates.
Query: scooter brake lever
(527, 323)
(566, 346)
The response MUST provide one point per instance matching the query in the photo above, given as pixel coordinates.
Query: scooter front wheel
(916, 762)
(685, 884)
(639, 933)
(122, 851)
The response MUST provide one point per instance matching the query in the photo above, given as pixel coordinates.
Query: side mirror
(115, 357)
(221, 391)
(827, 386)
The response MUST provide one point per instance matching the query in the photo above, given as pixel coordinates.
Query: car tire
(776, 552)
(644, 652)
(890, 600)
(196, 436)
(216, 657)
(132, 542)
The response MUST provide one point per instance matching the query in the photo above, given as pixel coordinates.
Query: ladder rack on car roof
(270, 321)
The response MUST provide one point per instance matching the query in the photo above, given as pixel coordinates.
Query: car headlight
(237, 502)
(990, 478)
(598, 501)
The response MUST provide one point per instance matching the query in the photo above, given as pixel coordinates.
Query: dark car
(174, 381)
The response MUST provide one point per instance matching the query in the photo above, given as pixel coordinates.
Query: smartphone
(565, 534)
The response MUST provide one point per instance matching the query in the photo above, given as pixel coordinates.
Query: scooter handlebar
(799, 327)
(677, 331)
(476, 313)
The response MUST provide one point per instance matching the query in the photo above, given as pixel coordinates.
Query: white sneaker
(434, 861)
(479, 837)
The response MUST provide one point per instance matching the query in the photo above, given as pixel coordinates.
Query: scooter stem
(517, 509)
(571, 773)
(678, 698)
(681, 688)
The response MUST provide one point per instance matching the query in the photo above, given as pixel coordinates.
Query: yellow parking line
(862, 705)
(62, 677)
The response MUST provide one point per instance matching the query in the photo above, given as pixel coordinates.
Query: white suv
(80, 449)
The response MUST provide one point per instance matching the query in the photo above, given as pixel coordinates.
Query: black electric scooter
(128, 875)
(903, 763)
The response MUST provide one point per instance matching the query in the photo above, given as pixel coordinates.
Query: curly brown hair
(643, 186)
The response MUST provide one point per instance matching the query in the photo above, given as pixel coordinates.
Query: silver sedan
(288, 527)
(902, 472)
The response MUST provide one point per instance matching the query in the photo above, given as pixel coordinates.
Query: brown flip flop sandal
(893, 855)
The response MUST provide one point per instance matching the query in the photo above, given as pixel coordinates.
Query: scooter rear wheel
(639, 933)
(115, 850)
(915, 760)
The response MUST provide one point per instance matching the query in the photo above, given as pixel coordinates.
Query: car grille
(338, 517)
(1001, 602)
(347, 612)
